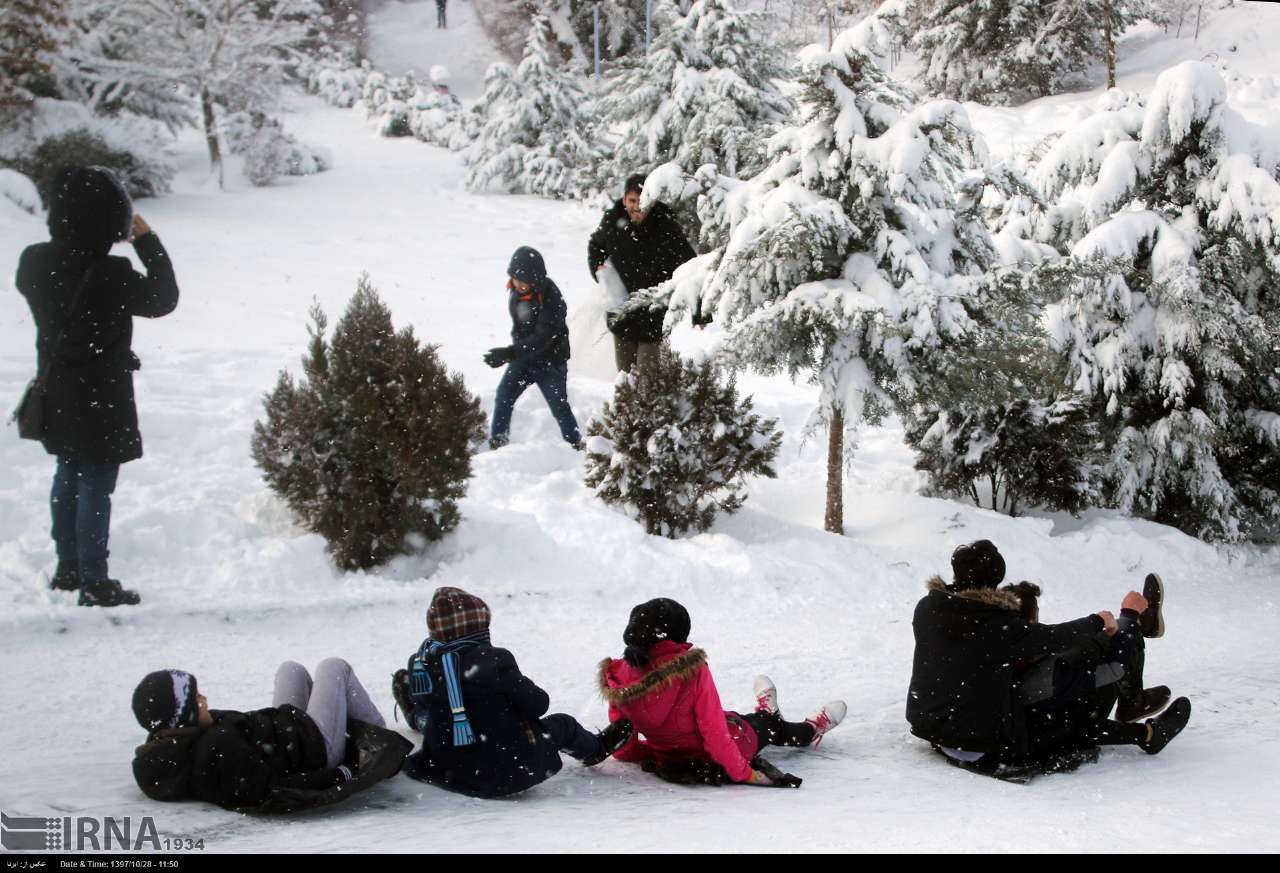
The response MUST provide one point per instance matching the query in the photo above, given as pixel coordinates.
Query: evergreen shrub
(372, 448)
(676, 446)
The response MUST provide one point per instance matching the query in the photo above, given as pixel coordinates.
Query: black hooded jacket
(969, 648)
(236, 762)
(89, 402)
(539, 330)
(644, 255)
(510, 754)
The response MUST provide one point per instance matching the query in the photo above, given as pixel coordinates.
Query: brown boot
(1149, 702)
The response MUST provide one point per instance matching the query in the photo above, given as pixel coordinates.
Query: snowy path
(231, 587)
(403, 36)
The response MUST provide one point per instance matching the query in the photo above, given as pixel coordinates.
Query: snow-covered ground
(404, 36)
(231, 586)
(1242, 38)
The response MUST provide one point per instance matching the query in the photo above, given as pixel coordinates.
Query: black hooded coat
(89, 406)
(236, 761)
(539, 330)
(969, 649)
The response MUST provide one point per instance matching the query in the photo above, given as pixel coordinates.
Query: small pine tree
(705, 93)
(994, 417)
(533, 139)
(373, 448)
(1027, 452)
(676, 446)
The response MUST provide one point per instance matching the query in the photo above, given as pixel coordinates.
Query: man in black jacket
(539, 350)
(83, 302)
(990, 683)
(645, 248)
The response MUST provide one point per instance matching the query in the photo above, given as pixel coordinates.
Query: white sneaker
(766, 696)
(826, 719)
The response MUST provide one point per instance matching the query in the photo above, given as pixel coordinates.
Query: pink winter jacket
(673, 702)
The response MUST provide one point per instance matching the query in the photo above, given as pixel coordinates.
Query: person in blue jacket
(539, 350)
(484, 724)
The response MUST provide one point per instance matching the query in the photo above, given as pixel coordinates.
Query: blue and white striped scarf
(447, 654)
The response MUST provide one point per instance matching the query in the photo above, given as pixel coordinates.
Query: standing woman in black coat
(84, 302)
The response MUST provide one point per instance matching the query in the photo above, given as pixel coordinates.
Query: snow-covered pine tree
(998, 419)
(97, 67)
(677, 446)
(1022, 452)
(498, 92)
(533, 141)
(227, 56)
(1007, 51)
(621, 26)
(30, 33)
(1169, 318)
(372, 449)
(857, 256)
(706, 93)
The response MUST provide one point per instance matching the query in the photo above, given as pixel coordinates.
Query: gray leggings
(334, 696)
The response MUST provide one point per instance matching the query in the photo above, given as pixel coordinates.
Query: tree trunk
(834, 520)
(1109, 38)
(211, 134)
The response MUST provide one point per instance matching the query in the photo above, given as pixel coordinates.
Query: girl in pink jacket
(663, 685)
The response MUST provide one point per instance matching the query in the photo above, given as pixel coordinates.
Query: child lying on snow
(260, 759)
(664, 687)
(484, 724)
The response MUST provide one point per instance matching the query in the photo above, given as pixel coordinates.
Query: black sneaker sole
(1153, 591)
(1168, 726)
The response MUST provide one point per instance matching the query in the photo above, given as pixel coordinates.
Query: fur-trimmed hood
(1021, 597)
(996, 598)
(621, 683)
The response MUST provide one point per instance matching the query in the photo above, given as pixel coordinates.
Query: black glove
(611, 321)
(499, 357)
(692, 772)
(400, 693)
(775, 776)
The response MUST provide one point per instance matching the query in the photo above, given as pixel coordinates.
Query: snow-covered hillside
(231, 586)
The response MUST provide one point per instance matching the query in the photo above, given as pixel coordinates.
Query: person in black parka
(281, 758)
(645, 248)
(83, 302)
(539, 350)
(990, 683)
(484, 724)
